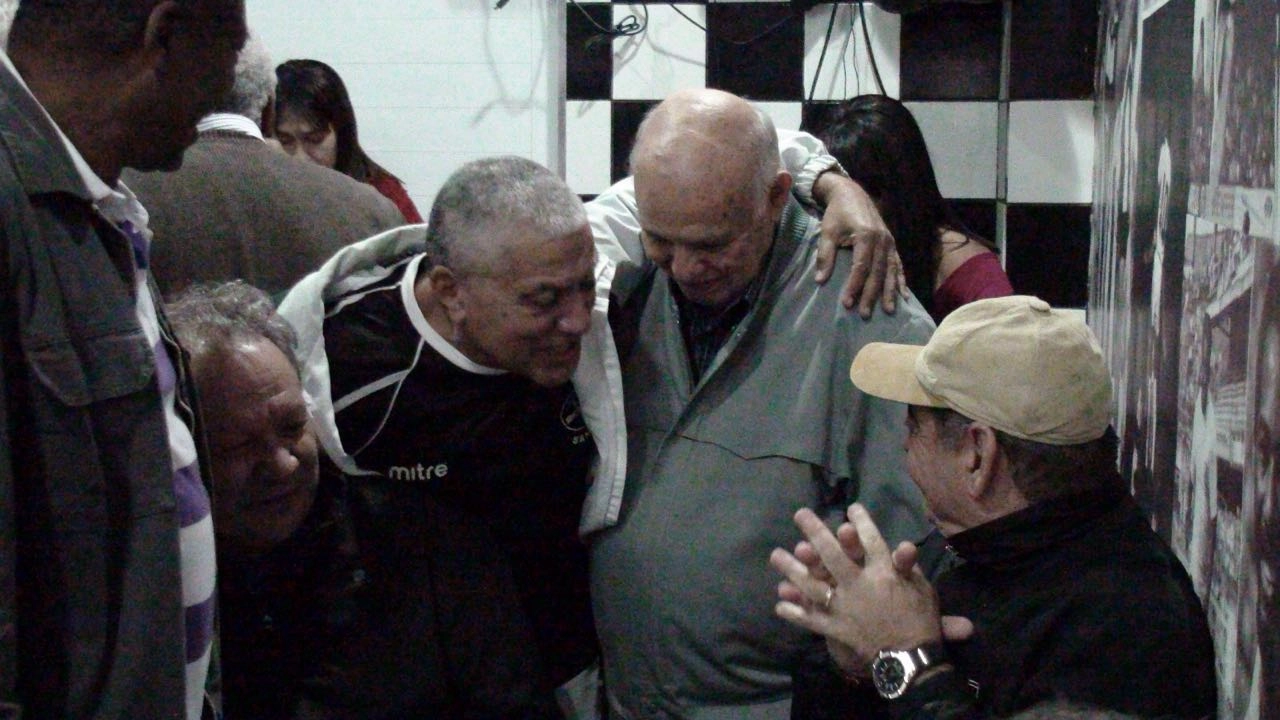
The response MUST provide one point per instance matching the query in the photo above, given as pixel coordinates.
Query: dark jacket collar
(1018, 539)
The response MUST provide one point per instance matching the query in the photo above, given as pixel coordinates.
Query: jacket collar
(791, 233)
(1017, 540)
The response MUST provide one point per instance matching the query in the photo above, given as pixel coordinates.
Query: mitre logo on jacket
(418, 473)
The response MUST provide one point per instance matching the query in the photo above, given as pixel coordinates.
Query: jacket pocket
(98, 368)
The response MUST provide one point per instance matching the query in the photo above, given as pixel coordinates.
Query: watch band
(893, 671)
(935, 653)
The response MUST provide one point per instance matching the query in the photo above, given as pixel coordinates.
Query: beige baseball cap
(1013, 363)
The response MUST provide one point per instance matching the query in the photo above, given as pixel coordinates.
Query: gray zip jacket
(681, 586)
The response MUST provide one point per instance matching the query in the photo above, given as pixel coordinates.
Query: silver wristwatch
(893, 670)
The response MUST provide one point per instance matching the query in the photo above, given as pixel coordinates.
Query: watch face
(889, 676)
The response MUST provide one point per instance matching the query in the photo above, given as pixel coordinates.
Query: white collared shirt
(229, 122)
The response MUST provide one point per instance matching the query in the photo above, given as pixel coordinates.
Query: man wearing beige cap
(1068, 593)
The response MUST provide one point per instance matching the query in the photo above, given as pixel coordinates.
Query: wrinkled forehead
(695, 210)
(517, 249)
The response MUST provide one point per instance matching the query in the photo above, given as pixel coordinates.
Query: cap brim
(888, 371)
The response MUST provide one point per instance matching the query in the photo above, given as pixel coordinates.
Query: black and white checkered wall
(1002, 90)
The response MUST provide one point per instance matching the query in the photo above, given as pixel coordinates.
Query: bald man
(737, 412)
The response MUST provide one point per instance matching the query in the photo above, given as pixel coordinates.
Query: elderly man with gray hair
(481, 373)
(732, 360)
(240, 209)
(440, 360)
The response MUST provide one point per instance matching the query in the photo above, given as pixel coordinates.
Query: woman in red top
(880, 145)
(315, 121)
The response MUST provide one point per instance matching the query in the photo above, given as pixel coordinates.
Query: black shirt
(501, 450)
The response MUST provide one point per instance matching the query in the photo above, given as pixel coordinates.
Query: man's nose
(280, 463)
(576, 319)
(685, 264)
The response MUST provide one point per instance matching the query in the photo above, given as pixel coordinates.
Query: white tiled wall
(962, 139)
(671, 54)
(786, 115)
(1051, 152)
(847, 68)
(434, 82)
(587, 149)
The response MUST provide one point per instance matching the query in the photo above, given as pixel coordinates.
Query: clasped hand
(859, 594)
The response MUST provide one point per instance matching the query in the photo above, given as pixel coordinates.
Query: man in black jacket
(1070, 594)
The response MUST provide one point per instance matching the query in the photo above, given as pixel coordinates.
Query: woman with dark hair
(315, 122)
(879, 144)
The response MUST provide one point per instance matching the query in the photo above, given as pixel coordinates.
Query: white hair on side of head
(255, 80)
(764, 145)
(488, 194)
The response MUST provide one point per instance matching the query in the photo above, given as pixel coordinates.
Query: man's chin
(548, 379)
(710, 296)
(560, 368)
(551, 377)
(171, 157)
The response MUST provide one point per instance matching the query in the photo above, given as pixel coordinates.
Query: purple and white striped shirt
(196, 534)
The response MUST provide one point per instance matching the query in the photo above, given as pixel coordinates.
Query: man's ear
(779, 192)
(981, 453)
(144, 63)
(447, 291)
(162, 25)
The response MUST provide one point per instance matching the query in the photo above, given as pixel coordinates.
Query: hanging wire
(831, 23)
(767, 31)
(853, 52)
(626, 27)
(693, 22)
(866, 36)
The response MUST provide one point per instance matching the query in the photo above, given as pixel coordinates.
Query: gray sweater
(238, 209)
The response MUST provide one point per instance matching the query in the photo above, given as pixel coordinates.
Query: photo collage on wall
(1183, 297)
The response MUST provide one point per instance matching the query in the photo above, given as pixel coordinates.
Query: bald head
(708, 136)
(709, 191)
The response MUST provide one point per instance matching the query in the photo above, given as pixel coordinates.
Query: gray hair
(209, 317)
(762, 144)
(483, 195)
(255, 81)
